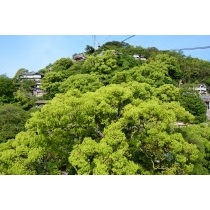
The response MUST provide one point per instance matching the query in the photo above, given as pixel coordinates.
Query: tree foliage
(193, 103)
(24, 99)
(12, 121)
(109, 131)
(63, 64)
(89, 49)
(82, 82)
(7, 88)
(58, 72)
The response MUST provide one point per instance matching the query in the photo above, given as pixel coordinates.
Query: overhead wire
(181, 49)
(193, 48)
(190, 48)
(128, 38)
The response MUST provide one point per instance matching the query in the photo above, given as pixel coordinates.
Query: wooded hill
(110, 113)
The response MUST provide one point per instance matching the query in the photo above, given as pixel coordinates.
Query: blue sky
(34, 52)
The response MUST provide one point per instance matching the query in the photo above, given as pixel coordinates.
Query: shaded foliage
(7, 89)
(12, 121)
(193, 103)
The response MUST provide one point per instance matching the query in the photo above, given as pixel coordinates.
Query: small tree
(12, 121)
(89, 49)
(7, 88)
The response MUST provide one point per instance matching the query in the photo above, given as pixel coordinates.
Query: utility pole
(94, 42)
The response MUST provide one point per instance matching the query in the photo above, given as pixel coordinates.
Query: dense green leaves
(110, 131)
(200, 136)
(24, 99)
(103, 64)
(193, 103)
(109, 156)
(7, 88)
(12, 121)
(82, 82)
(57, 72)
(51, 82)
(62, 64)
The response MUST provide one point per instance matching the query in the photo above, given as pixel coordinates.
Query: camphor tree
(109, 131)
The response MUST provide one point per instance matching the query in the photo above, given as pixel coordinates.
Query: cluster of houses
(82, 57)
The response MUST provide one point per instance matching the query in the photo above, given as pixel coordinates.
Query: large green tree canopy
(117, 129)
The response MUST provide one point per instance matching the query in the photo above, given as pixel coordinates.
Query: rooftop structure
(41, 103)
(206, 99)
(30, 75)
(79, 57)
(201, 88)
(36, 77)
(140, 57)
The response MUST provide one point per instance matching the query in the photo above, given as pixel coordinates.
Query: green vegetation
(7, 88)
(12, 121)
(108, 114)
(193, 103)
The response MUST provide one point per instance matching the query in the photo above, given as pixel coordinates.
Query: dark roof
(30, 73)
(41, 102)
(206, 98)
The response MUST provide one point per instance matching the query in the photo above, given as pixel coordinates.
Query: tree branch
(153, 164)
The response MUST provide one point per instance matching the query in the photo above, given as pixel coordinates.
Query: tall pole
(94, 42)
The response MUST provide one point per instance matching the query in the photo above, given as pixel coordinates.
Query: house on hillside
(201, 88)
(31, 75)
(41, 103)
(206, 99)
(79, 57)
(180, 124)
(38, 92)
(36, 77)
(138, 57)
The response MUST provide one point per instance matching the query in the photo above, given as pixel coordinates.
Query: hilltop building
(36, 77)
(201, 88)
(206, 99)
(139, 57)
(79, 57)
